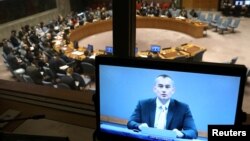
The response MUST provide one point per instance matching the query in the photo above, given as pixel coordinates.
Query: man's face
(164, 88)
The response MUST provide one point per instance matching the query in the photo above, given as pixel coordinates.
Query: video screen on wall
(247, 2)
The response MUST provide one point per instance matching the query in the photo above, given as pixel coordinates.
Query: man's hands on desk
(143, 125)
(178, 133)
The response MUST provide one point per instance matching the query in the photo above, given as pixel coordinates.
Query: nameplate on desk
(64, 48)
(77, 53)
(92, 57)
(143, 56)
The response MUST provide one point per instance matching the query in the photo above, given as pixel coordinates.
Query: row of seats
(216, 21)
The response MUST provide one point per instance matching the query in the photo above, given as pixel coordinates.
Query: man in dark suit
(55, 63)
(163, 112)
(6, 48)
(15, 63)
(34, 73)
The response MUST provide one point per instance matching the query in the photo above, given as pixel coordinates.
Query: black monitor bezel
(198, 67)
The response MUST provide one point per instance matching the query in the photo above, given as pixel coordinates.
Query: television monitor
(155, 48)
(238, 2)
(214, 93)
(109, 50)
(75, 44)
(90, 48)
(136, 50)
(247, 2)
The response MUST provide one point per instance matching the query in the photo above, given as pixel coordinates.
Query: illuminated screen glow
(155, 48)
(212, 98)
(109, 49)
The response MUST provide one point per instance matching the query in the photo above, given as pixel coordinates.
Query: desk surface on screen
(144, 134)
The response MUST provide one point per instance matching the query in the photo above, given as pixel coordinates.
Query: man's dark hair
(164, 76)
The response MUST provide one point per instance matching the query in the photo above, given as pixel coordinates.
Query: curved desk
(89, 29)
(189, 27)
(187, 51)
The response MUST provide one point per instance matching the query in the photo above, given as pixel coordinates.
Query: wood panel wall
(206, 5)
(160, 1)
(187, 4)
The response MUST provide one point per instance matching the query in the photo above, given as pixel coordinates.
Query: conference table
(191, 49)
(191, 27)
(144, 133)
(184, 51)
(187, 26)
(77, 54)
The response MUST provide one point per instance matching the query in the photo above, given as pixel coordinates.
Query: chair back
(225, 23)
(219, 22)
(198, 14)
(202, 17)
(216, 17)
(4, 57)
(236, 23)
(248, 73)
(233, 60)
(87, 68)
(71, 63)
(79, 78)
(209, 17)
(230, 19)
(27, 78)
(22, 52)
(49, 72)
(47, 83)
(63, 85)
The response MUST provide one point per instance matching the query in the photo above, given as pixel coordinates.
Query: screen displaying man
(127, 89)
(163, 112)
(76, 46)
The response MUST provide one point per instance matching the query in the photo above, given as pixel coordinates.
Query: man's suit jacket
(34, 73)
(179, 116)
(12, 61)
